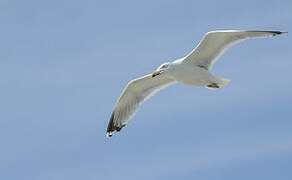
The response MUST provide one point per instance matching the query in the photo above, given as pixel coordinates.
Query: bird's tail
(219, 82)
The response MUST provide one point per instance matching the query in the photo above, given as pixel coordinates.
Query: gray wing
(215, 43)
(135, 93)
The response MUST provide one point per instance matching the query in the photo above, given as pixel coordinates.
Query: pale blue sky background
(64, 63)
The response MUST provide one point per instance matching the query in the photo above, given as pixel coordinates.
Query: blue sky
(63, 64)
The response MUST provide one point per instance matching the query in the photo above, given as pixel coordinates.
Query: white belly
(191, 75)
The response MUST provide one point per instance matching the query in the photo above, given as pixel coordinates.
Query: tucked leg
(213, 85)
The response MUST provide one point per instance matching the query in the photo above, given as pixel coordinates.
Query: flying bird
(193, 69)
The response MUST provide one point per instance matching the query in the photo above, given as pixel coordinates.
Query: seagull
(193, 69)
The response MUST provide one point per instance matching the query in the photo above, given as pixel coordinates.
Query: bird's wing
(215, 43)
(136, 92)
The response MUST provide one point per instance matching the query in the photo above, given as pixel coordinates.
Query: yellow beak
(156, 73)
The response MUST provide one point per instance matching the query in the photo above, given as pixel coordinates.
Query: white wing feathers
(211, 47)
(215, 43)
(136, 92)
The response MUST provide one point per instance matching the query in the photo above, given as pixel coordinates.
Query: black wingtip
(278, 32)
(109, 134)
(283, 32)
(274, 33)
(112, 127)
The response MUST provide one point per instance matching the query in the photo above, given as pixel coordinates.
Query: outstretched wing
(215, 43)
(136, 92)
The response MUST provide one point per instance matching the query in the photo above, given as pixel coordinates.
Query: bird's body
(190, 75)
(193, 69)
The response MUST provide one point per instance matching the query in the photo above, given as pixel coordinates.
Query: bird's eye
(164, 66)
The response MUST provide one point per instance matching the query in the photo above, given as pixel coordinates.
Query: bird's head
(161, 69)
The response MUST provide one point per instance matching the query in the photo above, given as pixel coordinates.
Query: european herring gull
(193, 69)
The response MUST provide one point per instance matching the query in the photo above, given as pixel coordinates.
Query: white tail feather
(222, 81)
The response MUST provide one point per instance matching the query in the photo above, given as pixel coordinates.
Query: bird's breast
(191, 75)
